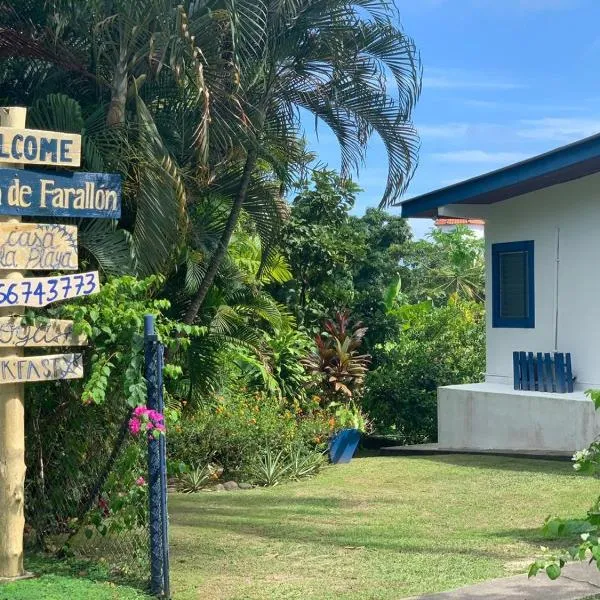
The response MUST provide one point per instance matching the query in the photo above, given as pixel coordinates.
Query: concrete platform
(491, 416)
(436, 449)
(578, 581)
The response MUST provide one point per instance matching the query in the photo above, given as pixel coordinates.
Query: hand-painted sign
(65, 194)
(37, 246)
(40, 291)
(15, 333)
(41, 368)
(34, 147)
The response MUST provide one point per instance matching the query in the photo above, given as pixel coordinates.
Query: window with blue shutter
(513, 283)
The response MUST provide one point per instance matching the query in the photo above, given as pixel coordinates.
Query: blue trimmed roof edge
(561, 164)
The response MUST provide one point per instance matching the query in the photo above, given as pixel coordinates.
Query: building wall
(564, 222)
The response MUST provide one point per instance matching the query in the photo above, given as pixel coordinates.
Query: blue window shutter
(513, 285)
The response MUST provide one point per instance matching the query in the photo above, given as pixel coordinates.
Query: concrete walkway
(578, 581)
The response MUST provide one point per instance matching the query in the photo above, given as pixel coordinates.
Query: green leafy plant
(194, 479)
(234, 429)
(350, 416)
(271, 468)
(436, 346)
(305, 461)
(336, 363)
(583, 533)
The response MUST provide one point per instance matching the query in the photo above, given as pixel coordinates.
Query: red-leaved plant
(337, 361)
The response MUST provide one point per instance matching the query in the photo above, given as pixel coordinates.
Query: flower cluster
(588, 460)
(149, 420)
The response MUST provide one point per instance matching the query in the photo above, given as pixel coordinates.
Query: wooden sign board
(45, 193)
(15, 333)
(41, 368)
(35, 147)
(40, 291)
(37, 246)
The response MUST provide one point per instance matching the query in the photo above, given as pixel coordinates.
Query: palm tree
(348, 64)
(107, 69)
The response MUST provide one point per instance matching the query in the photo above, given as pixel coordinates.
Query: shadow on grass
(45, 564)
(498, 463)
(285, 520)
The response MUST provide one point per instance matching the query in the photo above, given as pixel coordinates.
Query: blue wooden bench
(543, 372)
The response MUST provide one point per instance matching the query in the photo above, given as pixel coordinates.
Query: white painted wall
(573, 209)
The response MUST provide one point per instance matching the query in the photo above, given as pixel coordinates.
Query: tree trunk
(116, 109)
(219, 253)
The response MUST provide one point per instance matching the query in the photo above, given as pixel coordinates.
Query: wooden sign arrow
(41, 368)
(46, 193)
(35, 147)
(14, 333)
(40, 291)
(36, 246)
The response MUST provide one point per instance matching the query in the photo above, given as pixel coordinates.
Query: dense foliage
(437, 346)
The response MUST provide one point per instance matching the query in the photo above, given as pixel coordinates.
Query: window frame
(498, 321)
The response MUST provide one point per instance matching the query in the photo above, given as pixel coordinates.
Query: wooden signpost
(41, 368)
(34, 147)
(33, 247)
(15, 333)
(41, 291)
(43, 193)
(38, 247)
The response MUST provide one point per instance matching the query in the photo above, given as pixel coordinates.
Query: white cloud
(503, 6)
(522, 106)
(558, 129)
(479, 157)
(439, 78)
(443, 130)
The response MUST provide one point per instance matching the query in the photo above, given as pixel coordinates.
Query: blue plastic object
(343, 446)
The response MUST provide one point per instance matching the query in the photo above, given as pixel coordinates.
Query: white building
(542, 233)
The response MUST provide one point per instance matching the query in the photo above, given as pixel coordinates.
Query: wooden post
(12, 427)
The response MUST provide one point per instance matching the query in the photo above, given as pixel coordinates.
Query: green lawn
(379, 528)
(67, 580)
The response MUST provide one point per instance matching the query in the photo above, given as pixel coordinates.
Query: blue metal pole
(163, 479)
(154, 471)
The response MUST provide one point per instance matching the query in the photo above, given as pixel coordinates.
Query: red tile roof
(447, 221)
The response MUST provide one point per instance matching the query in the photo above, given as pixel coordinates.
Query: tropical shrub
(338, 368)
(437, 346)
(84, 459)
(234, 431)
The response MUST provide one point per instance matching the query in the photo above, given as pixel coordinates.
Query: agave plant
(336, 361)
(193, 480)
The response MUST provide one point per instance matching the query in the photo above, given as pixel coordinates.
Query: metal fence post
(163, 480)
(157, 476)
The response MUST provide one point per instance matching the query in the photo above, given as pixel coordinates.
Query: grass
(376, 529)
(73, 580)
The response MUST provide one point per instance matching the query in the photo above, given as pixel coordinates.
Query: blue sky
(503, 80)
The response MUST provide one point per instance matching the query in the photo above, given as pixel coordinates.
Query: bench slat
(541, 373)
(516, 371)
(559, 361)
(524, 371)
(569, 373)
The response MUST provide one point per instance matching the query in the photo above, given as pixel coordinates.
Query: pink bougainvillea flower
(138, 411)
(134, 426)
(140, 481)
